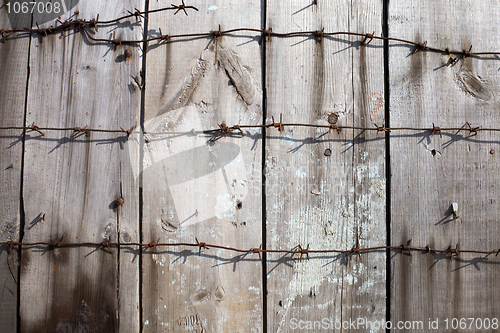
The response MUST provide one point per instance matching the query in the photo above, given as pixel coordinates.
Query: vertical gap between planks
(142, 77)
(385, 31)
(22, 215)
(263, 167)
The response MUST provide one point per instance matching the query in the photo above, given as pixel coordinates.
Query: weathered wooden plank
(194, 187)
(74, 182)
(431, 172)
(13, 72)
(365, 301)
(326, 202)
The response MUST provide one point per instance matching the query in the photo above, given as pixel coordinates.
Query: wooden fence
(249, 166)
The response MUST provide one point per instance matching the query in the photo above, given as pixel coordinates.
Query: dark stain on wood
(418, 61)
(363, 91)
(89, 305)
(318, 78)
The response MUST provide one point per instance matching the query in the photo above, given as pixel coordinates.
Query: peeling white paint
(212, 8)
(159, 259)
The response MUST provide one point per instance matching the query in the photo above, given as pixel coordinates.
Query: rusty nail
(278, 125)
(436, 129)
(328, 152)
(368, 36)
(268, 32)
(119, 202)
(492, 151)
(336, 128)
(116, 42)
(128, 54)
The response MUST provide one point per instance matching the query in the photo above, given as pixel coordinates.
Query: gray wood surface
(191, 186)
(324, 202)
(425, 89)
(13, 72)
(208, 188)
(74, 182)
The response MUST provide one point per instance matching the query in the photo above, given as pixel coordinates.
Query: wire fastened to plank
(319, 35)
(299, 251)
(223, 129)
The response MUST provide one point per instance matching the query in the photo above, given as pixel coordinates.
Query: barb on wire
(106, 245)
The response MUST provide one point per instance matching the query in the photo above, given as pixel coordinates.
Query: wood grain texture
(13, 74)
(326, 202)
(426, 89)
(194, 187)
(75, 181)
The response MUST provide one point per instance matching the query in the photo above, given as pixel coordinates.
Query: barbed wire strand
(225, 130)
(107, 245)
(85, 25)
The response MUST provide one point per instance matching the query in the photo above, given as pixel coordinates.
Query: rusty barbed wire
(319, 35)
(106, 245)
(224, 130)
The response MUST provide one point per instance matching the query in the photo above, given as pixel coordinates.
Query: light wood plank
(191, 187)
(424, 90)
(316, 200)
(75, 182)
(13, 72)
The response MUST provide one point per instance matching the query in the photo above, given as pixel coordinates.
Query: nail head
(333, 118)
